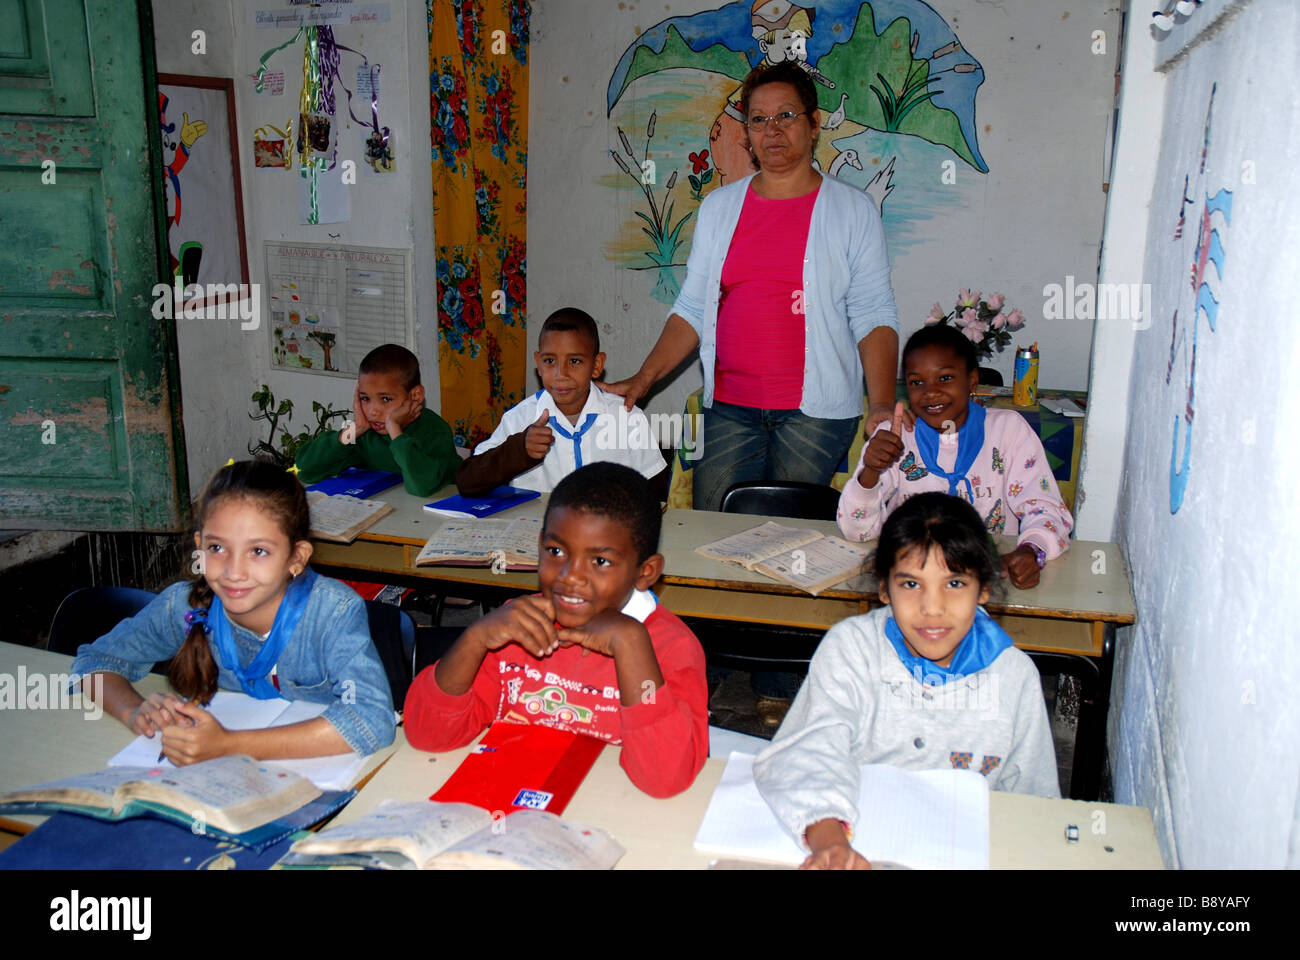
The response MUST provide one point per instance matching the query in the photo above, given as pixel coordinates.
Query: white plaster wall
(1204, 723)
(221, 366)
(1035, 217)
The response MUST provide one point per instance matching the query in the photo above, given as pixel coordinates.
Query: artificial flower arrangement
(983, 321)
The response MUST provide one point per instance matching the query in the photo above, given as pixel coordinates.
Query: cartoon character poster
(201, 181)
(896, 91)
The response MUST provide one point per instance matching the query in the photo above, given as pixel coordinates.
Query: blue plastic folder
(502, 498)
(67, 841)
(354, 482)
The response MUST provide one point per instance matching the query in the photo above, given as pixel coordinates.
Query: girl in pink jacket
(992, 459)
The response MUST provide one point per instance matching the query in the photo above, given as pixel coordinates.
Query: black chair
(87, 614)
(803, 501)
(392, 631)
(767, 648)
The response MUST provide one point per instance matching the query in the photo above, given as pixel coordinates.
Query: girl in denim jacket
(256, 619)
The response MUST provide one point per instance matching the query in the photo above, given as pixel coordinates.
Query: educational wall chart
(330, 305)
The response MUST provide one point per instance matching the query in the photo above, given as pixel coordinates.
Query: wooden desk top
(1025, 832)
(1089, 582)
(40, 745)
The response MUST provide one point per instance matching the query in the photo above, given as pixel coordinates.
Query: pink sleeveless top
(760, 321)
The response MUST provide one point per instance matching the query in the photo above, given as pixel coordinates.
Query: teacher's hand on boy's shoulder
(527, 621)
(1021, 567)
(884, 449)
(631, 390)
(154, 713)
(197, 736)
(538, 437)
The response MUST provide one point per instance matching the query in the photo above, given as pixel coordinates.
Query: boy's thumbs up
(543, 420)
(896, 428)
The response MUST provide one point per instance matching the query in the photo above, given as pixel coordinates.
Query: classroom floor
(732, 704)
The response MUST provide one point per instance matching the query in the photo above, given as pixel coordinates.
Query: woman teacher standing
(787, 297)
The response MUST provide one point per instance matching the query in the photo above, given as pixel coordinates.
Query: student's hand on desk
(883, 450)
(527, 621)
(538, 437)
(198, 735)
(603, 633)
(830, 849)
(154, 713)
(1021, 566)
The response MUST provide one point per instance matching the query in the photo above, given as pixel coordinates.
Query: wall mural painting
(1213, 220)
(895, 86)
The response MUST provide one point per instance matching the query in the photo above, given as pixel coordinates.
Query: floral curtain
(478, 56)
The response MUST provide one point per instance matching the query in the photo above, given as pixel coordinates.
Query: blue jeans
(745, 444)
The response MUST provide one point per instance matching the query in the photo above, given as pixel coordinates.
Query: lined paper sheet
(926, 819)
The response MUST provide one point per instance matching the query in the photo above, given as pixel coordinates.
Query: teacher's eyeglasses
(783, 120)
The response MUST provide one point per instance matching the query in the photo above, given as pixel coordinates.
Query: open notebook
(238, 711)
(925, 819)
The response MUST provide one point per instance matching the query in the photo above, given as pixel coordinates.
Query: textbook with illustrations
(420, 835)
(479, 543)
(466, 508)
(233, 797)
(341, 518)
(802, 558)
(923, 819)
(356, 482)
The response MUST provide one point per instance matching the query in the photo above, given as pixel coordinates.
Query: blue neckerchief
(979, 648)
(575, 436)
(253, 678)
(970, 440)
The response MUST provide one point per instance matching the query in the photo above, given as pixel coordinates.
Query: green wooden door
(89, 393)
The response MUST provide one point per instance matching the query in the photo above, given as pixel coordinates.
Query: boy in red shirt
(593, 653)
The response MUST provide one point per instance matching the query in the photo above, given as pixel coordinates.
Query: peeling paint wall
(1204, 722)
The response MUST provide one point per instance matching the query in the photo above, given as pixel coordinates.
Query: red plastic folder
(522, 767)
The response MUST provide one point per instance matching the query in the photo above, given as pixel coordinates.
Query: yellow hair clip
(293, 470)
(230, 461)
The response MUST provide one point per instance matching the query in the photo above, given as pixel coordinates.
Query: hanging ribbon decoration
(321, 57)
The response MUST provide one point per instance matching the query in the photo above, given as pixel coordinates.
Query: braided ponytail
(193, 671)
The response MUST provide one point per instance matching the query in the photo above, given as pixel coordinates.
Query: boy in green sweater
(390, 429)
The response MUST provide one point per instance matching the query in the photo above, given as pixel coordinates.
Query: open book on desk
(421, 835)
(236, 797)
(238, 711)
(480, 543)
(925, 819)
(341, 518)
(802, 558)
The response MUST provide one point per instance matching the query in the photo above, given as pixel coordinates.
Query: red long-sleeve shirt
(665, 736)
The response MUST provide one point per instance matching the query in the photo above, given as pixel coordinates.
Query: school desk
(1067, 622)
(39, 745)
(1024, 832)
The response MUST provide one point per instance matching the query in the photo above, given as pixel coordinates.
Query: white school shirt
(604, 431)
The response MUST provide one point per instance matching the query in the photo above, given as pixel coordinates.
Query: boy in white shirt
(566, 424)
